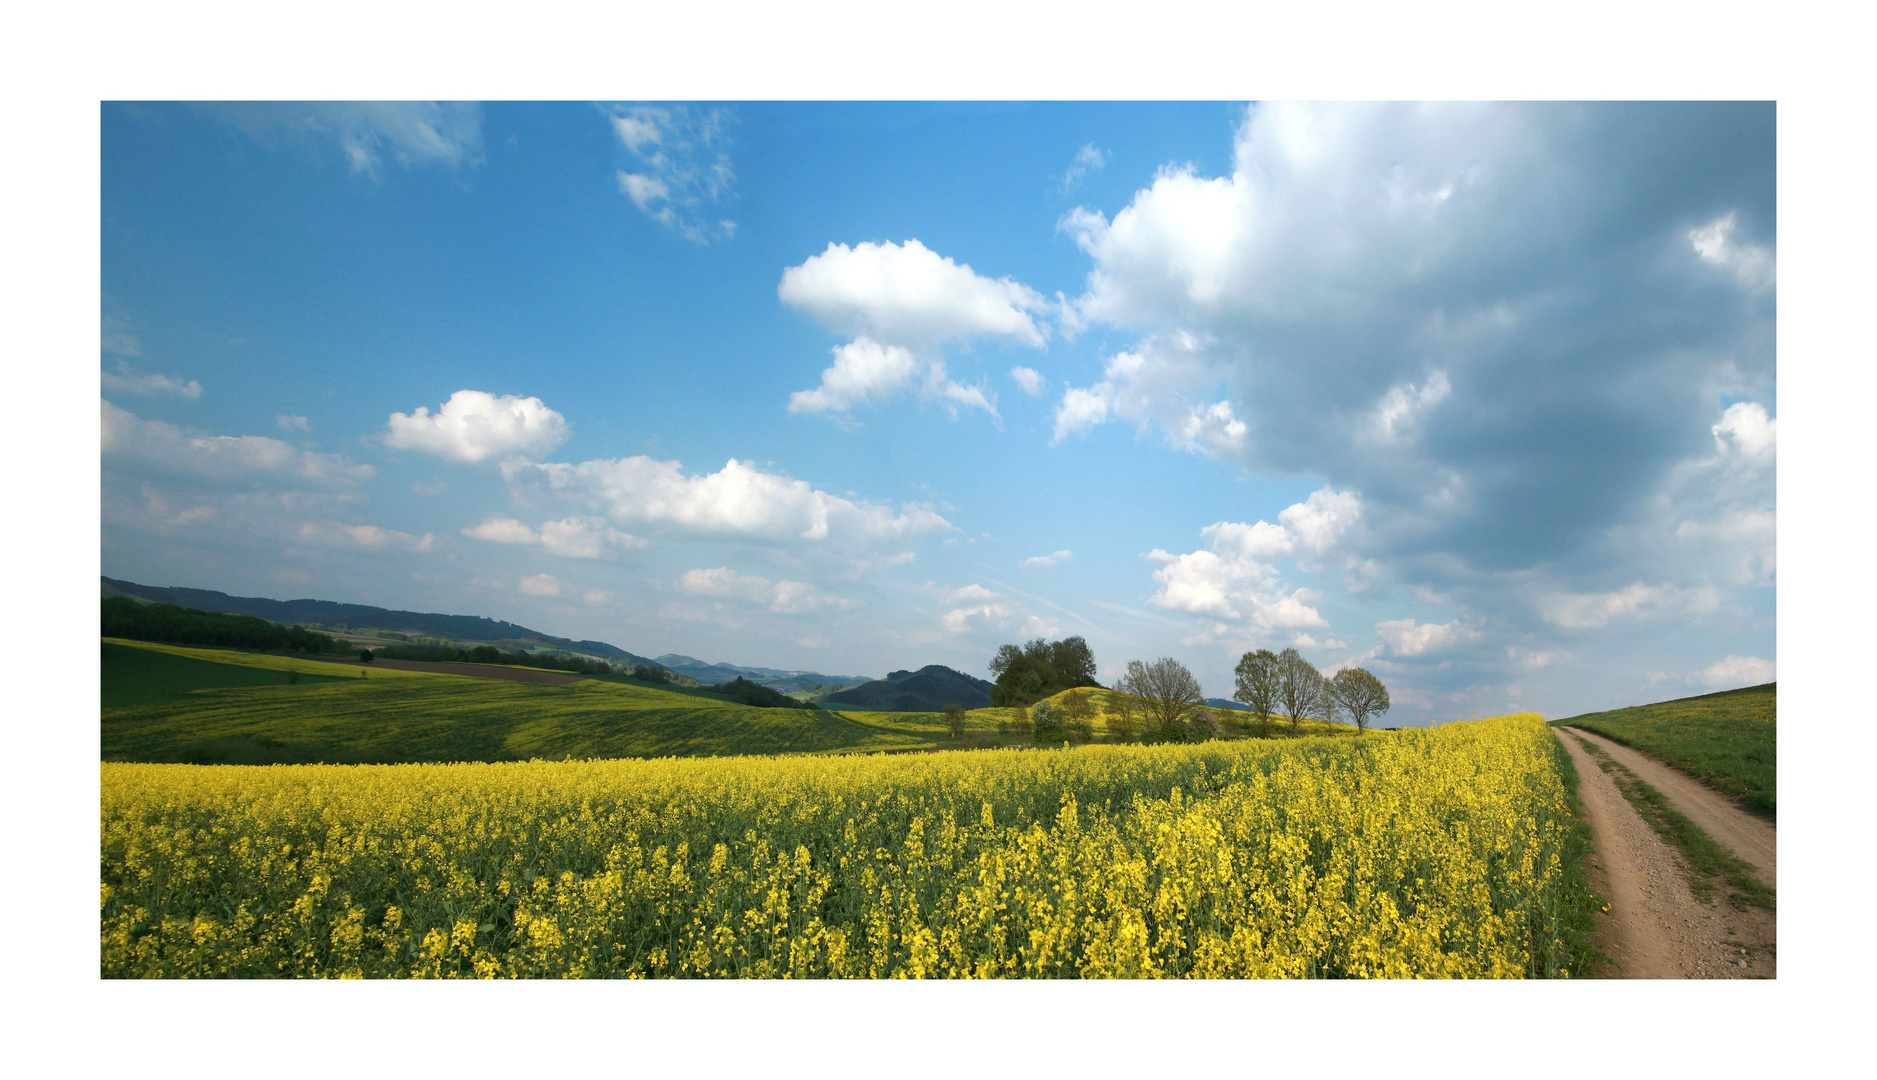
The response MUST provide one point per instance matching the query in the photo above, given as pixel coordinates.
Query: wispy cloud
(680, 169)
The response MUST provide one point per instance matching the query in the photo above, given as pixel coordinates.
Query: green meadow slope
(182, 704)
(1729, 739)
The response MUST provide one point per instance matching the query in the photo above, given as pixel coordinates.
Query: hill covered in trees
(1040, 669)
(126, 618)
(327, 613)
(929, 689)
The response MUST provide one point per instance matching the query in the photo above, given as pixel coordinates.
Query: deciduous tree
(1299, 687)
(1359, 695)
(1167, 693)
(1258, 677)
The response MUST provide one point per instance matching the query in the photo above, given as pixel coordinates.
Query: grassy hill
(1729, 739)
(176, 703)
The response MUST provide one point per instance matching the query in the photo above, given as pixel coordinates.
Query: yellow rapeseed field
(1400, 854)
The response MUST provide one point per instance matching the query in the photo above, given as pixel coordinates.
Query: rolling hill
(786, 681)
(473, 629)
(930, 688)
(1729, 739)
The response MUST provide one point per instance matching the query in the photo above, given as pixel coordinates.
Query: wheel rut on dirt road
(1656, 928)
(1753, 839)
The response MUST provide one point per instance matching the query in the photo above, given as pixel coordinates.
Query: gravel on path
(1655, 928)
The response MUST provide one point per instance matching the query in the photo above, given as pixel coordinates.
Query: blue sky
(1479, 397)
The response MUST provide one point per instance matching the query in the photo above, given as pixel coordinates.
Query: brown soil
(1751, 837)
(482, 671)
(1655, 928)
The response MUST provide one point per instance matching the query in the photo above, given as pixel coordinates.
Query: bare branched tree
(1167, 692)
(1299, 688)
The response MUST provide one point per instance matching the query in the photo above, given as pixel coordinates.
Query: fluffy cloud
(1029, 380)
(1404, 638)
(411, 133)
(1054, 558)
(1161, 382)
(900, 303)
(128, 380)
(288, 422)
(574, 537)
(1235, 578)
(723, 583)
(1509, 298)
(136, 445)
(1752, 264)
(680, 166)
(739, 501)
(1739, 671)
(909, 294)
(1747, 430)
(474, 426)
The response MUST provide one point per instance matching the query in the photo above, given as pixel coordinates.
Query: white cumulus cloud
(474, 426)
(1404, 638)
(1747, 429)
(1739, 671)
(370, 537)
(737, 501)
(909, 294)
(1235, 578)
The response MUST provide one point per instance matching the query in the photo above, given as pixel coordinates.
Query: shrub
(1046, 723)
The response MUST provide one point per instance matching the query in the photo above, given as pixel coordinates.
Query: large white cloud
(1501, 324)
(1235, 579)
(738, 501)
(909, 294)
(900, 303)
(475, 426)
(136, 445)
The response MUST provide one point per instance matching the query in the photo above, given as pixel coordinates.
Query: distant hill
(1227, 703)
(327, 613)
(787, 681)
(930, 688)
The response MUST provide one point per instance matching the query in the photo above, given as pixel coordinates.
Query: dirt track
(1655, 928)
(1753, 839)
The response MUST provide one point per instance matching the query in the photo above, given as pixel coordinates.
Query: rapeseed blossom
(1431, 853)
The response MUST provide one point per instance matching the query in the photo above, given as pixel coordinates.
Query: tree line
(123, 617)
(488, 654)
(1161, 700)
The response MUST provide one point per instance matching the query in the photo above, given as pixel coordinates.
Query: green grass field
(1729, 739)
(179, 704)
(140, 674)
